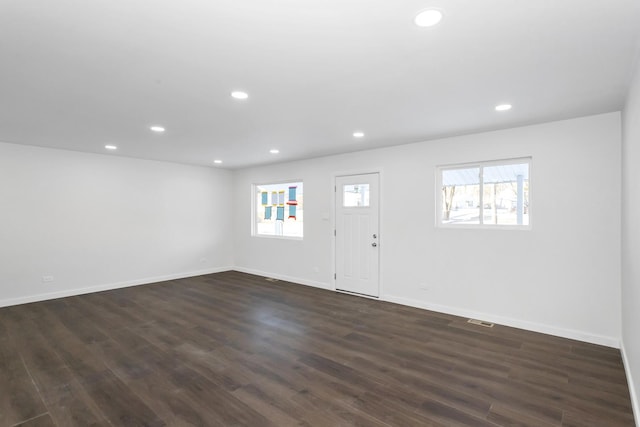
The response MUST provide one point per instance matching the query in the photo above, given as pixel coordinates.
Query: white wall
(98, 222)
(561, 277)
(631, 239)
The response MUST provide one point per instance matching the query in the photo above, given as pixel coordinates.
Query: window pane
(461, 196)
(279, 209)
(355, 195)
(506, 194)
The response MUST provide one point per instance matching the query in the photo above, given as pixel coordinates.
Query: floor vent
(271, 279)
(480, 323)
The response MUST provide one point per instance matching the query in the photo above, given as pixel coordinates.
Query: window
(488, 194)
(279, 209)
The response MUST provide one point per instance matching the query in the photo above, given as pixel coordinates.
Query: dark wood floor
(232, 349)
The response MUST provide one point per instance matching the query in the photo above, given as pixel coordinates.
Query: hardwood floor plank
(265, 403)
(70, 405)
(393, 411)
(19, 399)
(450, 416)
(574, 418)
(505, 416)
(43, 420)
(118, 402)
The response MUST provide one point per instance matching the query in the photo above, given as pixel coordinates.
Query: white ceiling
(77, 74)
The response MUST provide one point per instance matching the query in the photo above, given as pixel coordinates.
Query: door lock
(374, 244)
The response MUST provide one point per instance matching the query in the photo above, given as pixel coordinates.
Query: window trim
(480, 165)
(254, 210)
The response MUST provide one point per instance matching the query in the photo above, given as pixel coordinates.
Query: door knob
(374, 244)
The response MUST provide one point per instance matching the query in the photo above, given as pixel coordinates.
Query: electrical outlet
(47, 279)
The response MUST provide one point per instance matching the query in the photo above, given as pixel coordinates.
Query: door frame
(352, 172)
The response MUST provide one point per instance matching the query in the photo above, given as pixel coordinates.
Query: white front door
(357, 235)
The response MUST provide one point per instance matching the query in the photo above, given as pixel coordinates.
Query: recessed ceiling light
(358, 134)
(274, 151)
(110, 147)
(217, 162)
(503, 107)
(239, 94)
(157, 128)
(428, 18)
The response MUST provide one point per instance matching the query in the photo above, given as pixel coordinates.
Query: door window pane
(355, 195)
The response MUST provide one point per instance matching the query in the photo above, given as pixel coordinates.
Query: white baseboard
(515, 323)
(107, 287)
(291, 279)
(635, 404)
